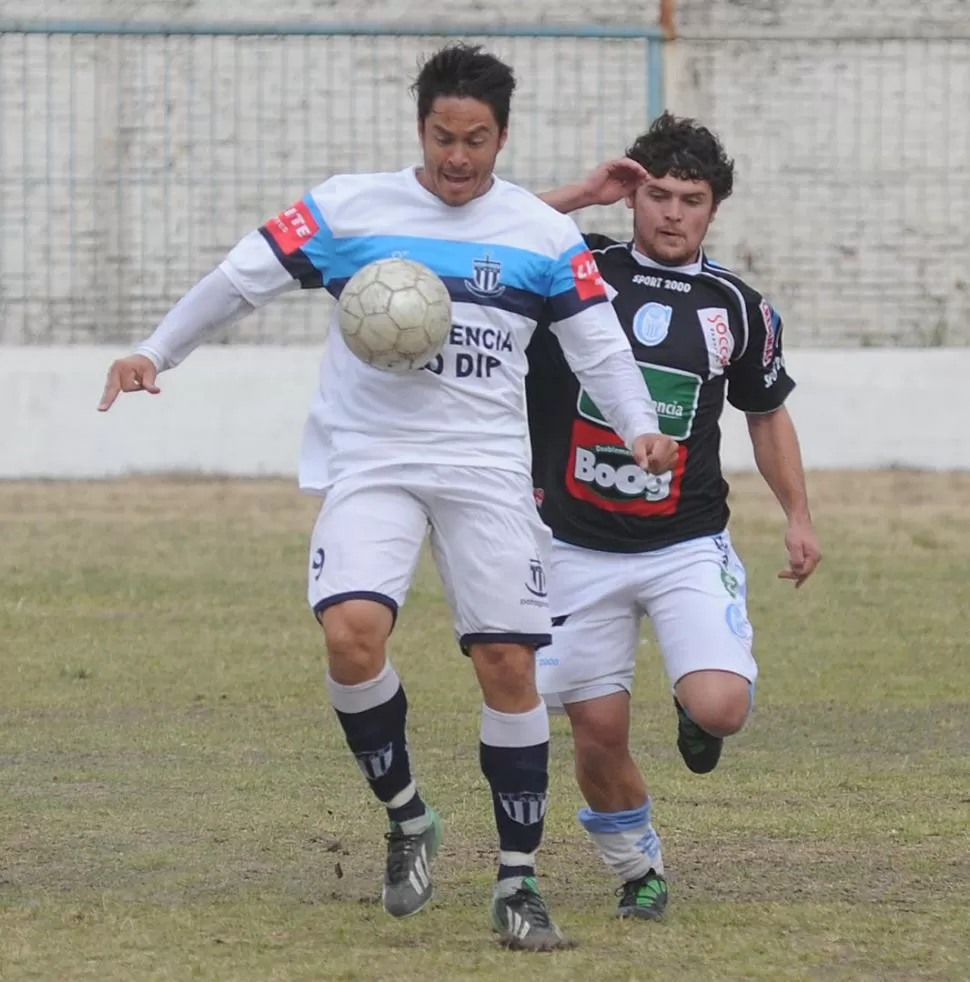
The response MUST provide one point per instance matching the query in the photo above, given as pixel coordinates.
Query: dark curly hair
(685, 149)
(468, 72)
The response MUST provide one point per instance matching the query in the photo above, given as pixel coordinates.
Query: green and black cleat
(645, 898)
(700, 750)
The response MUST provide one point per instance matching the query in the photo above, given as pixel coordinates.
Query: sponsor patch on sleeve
(768, 316)
(586, 276)
(293, 228)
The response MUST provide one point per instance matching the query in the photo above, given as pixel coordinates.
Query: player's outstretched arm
(612, 181)
(779, 459)
(213, 303)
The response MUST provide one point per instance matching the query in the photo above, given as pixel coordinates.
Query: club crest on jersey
(651, 323)
(486, 278)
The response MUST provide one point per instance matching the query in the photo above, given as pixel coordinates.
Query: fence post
(655, 78)
(657, 69)
(668, 21)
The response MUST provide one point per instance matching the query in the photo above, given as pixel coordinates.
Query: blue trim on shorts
(532, 640)
(339, 598)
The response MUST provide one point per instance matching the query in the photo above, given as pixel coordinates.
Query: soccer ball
(395, 314)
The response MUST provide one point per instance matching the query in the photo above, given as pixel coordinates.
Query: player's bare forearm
(779, 459)
(607, 184)
(570, 197)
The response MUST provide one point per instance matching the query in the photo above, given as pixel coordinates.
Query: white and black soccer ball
(395, 314)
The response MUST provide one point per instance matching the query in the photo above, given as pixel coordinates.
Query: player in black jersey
(627, 543)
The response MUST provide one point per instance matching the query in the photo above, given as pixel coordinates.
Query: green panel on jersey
(675, 392)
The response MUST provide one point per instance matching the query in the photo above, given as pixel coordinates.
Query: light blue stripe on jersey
(340, 258)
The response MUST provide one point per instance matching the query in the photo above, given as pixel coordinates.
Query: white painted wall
(240, 411)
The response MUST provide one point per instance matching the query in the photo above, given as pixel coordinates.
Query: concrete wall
(127, 168)
(240, 411)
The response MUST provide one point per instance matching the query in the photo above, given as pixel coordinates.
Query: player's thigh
(365, 545)
(697, 603)
(596, 626)
(490, 548)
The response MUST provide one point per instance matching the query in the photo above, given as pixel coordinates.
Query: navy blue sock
(514, 755)
(374, 720)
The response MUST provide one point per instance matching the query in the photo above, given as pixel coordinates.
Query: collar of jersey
(690, 269)
(489, 195)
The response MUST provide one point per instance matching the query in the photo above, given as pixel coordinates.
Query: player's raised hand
(804, 553)
(655, 453)
(136, 373)
(613, 180)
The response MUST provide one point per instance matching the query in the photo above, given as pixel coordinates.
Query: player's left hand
(655, 453)
(612, 181)
(804, 553)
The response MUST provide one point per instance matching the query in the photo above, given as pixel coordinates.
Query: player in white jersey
(446, 446)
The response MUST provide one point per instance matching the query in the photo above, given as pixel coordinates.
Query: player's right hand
(135, 373)
(655, 452)
(613, 180)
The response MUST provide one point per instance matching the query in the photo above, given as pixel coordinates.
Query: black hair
(468, 72)
(685, 149)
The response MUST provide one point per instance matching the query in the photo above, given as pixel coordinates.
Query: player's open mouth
(457, 182)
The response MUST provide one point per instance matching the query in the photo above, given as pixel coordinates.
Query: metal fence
(133, 156)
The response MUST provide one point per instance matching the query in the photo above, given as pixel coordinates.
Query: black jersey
(694, 334)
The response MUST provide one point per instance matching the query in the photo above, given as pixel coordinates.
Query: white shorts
(487, 539)
(694, 593)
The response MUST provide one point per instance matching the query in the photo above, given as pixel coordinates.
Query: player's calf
(618, 818)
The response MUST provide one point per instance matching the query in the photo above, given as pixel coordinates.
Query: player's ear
(631, 198)
(502, 138)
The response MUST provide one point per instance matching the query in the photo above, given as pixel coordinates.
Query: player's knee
(722, 720)
(356, 632)
(506, 673)
(718, 702)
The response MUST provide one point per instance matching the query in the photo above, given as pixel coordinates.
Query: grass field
(176, 801)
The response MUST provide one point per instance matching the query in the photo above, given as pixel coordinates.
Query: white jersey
(507, 259)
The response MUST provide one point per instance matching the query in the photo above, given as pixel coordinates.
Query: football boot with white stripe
(407, 878)
(521, 918)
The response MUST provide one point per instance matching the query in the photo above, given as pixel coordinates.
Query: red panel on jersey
(602, 472)
(586, 275)
(293, 227)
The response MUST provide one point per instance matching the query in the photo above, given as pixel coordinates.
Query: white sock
(627, 841)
